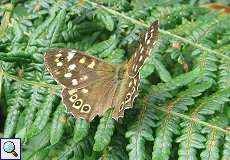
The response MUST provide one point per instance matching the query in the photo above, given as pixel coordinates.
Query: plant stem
(218, 54)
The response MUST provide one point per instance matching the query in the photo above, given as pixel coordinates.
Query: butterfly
(91, 86)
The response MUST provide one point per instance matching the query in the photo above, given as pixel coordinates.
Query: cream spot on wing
(135, 69)
(85, 77)
(78, 104)
(73, 98)
(140, 46)
(70, 56)
(152, 30)
(130, 83)
(59, 64)
(72, 66)
(59, 51)
(148, 41)
(57, 73)
(151, 35)
(146, 36)
(59, 55)
(148, 53)
(68, 75)
(135, 82)
(141, 57)
(91, 65)
(74, 51)
(72, 91)
(84, 90)
(56, 60)
(86, 108)
(74, 82)
(82, 60)
(142, 49)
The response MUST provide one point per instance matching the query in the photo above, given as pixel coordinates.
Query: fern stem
(219, 54)
(195, 120)
(33, 83)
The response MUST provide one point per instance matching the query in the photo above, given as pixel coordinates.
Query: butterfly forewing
(147, 42)
(75, 69)
(90, 101)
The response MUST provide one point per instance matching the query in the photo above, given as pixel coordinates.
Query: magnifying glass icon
(9, 147)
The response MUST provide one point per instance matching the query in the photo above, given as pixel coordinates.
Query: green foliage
(104, 132)
(182, 111)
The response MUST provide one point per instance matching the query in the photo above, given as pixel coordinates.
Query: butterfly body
(91, 86)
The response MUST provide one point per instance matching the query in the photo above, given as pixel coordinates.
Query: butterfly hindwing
(125, 96)
(147, 42)
(89, 101)
(75, 69)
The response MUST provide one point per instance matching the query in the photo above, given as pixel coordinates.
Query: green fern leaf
(58, 123)
(212, 150)
(139, 132)
(104, 132)
(42, 116)
(169, 123)
(226, 151)
(81, 130)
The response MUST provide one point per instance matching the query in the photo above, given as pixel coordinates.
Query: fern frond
(212, 148)
(226, 151)
(16, 103)
(58, 123)
(42, 116)
(224, 74)
(161, 89)
(81, 130)
(104, 132)
(116, 149)
(191, 138)
(168, 125)
(207, 65)
(140, 132)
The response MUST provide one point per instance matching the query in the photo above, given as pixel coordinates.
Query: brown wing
(126, 92)
(75, 69)
(147, 42)
(90, 101)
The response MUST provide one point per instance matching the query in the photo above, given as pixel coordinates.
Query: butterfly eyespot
(133, 89)
(73, 98)
(61, 58)
(121, 106)
(86, 108)
(127, 98)
(78, 104)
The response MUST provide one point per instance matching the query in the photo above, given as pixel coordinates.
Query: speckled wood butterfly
(91, 86)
